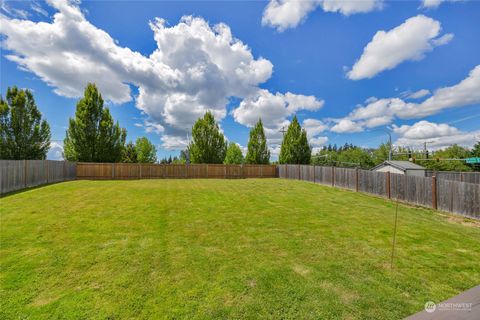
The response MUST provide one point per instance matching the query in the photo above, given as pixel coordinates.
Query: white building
(401, 167)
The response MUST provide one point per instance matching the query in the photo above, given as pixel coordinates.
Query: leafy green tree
(257, 152)
(295, 148)
(476, 150)
(353, 157)
(129, 153)
(325, 157)
(381, 153)
(208, 143)
(146, 151)
(348, 156)
(234, 154)
(453, 152)
(92, 136)
(23, 133)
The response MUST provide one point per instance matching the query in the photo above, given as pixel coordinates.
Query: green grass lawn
(206, 249)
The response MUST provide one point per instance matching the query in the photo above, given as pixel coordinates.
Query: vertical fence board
(470, 177)
(173, 171)
(459, 197)
(451, 195)
(21, 174)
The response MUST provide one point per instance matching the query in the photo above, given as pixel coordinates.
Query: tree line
(349, 155)
(94, 136)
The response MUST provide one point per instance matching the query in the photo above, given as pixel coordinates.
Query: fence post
(140, 171)
(25, 173)
(333, 176)
(64, 170)
(261, 171)
(298, 172)
(207, 169)
(113, 170)
(388, 185)
(434, 192)
(225, 171)
(313, 173)
(356, 179)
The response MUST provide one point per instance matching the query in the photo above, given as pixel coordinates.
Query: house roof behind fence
(402, 165)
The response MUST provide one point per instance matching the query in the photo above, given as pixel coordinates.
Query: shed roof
(402, 165)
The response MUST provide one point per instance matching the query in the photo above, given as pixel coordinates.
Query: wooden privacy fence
(470, 177)
(21, 174)
(446, 195)
(173, 171)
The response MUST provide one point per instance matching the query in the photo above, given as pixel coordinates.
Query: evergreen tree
(23, 133)
(257, 152)
(208, 143)
(184, 156)
(146, 151)
(92, 136)
(295, 148)
(234, 154)
(129, 154)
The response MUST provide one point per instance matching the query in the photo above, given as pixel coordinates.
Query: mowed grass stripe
(205, 249)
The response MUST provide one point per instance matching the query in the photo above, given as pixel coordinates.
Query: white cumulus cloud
(408, 41)
(438, 135)
(56, 151)
(196, 67)
(384, 111)
(433, 4)
(346, 125)
(273, 109)
(314, 127)
(418, 94)
(285, 14)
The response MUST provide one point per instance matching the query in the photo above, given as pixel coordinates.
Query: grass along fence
(107, 171)
(446, 195)
(21, 174)
(434, 192)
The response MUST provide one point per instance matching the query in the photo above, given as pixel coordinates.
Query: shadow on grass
(11, 193)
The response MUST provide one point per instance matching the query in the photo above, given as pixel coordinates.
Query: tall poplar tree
(23, 133)
(295, 148)
(208, 143)
(92, 136)
(257, 152)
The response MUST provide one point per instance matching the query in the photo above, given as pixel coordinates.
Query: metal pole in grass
(394, 234)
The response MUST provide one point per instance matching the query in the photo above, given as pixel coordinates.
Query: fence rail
(438, 193)
(447, 191)
(21, 174)
(172, 171)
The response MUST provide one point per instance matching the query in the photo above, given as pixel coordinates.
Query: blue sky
(347, 69)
